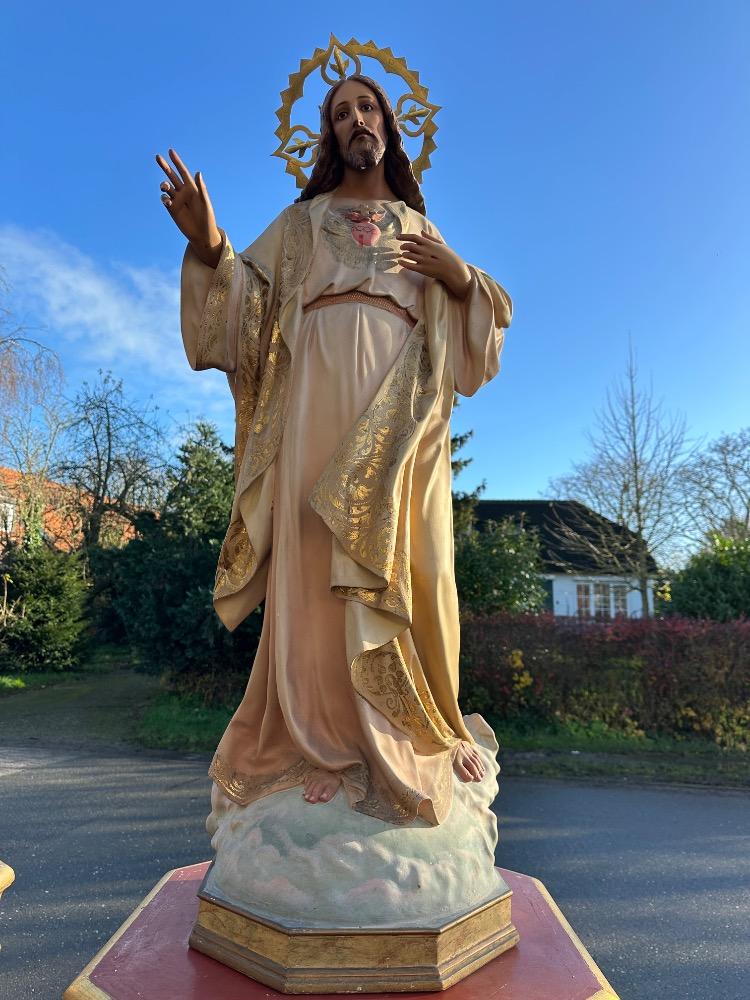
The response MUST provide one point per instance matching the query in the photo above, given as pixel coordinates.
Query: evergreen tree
(715, 584)
(157, 591)
(42, 616)
(463, 503)
(498, 569)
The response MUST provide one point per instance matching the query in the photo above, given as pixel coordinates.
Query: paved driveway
(654, 880)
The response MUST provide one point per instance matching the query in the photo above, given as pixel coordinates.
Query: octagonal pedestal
(354, 960)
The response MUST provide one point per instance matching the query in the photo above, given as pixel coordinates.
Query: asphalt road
(654, 880)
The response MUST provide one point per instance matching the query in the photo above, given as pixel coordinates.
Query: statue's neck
(365, 185)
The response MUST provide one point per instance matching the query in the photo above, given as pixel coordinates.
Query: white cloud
(109, 315)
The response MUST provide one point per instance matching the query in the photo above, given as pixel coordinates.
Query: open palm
(186, 199)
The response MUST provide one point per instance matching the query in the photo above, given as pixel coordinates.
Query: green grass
(596, 751)
(593, 737)
(587, 753)
(725, 770)
(174, 722)
(14, 683)
(102, 659)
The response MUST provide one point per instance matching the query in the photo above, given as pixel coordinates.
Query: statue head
(361, 145)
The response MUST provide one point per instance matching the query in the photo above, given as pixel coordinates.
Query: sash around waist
(378, 301)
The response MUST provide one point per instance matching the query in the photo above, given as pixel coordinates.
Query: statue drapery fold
(384, 495)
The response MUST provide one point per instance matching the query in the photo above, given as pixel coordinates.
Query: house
(60, 514)
(59, 524)
(577, 583)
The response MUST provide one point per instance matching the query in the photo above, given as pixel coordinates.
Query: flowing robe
(342, 517)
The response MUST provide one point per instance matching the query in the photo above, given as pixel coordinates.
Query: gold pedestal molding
(300, 960)
(7, 875)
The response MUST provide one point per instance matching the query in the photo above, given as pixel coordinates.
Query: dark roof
(546, 517)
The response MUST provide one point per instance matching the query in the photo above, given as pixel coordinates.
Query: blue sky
(592, 156)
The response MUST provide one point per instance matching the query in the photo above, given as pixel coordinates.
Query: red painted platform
(149, 959)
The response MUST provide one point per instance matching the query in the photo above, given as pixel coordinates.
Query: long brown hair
(328, 171)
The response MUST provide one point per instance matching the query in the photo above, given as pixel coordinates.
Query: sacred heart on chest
(363, 236)
(365, 230)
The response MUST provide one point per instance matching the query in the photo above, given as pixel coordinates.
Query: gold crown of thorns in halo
(299, 145)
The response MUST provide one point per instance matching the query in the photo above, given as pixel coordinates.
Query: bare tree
(32, 417)
(114, 460)
(27, 367)
(717, 488)
(632, 481)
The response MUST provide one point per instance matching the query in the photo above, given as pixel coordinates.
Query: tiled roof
(546, 516)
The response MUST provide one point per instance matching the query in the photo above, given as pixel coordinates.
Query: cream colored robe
(371, 691)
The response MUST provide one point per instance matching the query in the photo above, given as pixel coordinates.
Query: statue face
(357, 122)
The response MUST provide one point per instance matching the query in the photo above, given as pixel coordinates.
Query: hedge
(671, 676)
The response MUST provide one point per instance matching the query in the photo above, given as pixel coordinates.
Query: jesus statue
(344, 330)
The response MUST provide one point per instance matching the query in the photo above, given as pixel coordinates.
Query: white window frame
(605, 599)
(7, 516)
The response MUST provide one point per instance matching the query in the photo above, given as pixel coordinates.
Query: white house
(576, 584)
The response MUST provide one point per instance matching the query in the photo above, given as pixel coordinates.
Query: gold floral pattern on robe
(382, 677)
(356, 495)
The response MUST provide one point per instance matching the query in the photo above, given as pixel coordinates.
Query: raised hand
(186, 199)
(428, 255)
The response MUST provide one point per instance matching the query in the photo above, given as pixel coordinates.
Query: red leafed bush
(669, 676)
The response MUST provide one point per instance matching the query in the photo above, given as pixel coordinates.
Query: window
(549, 604)
(7, 516)
(620, 600)
(583, 600)
(601, 600)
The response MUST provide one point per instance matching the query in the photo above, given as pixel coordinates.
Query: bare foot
(321, 786)
(467, 763)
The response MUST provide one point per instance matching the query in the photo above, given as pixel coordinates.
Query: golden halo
(298, 144)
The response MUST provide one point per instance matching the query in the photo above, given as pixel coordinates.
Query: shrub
(42, 616)
(497, 569)
(672, 676)
(715, 584)
(157, 590)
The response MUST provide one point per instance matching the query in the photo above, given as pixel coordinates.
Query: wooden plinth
(149, 958)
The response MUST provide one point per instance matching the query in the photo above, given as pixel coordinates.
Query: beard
(365, 154)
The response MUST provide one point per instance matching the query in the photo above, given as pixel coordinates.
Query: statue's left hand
(428, 255)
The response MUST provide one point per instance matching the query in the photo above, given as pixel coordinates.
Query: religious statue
(344, 330)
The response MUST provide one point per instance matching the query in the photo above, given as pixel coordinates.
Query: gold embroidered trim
(243, 788)
(296, 249)
(261, 390)
(396, 809)
(396, 597)
(237, 561)
(267, 423)
(402, 804)
(355, 494)
(377, 301)
(254, 308)
(383, 679)
(436, 717)
(214, 318)
(395, 803)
